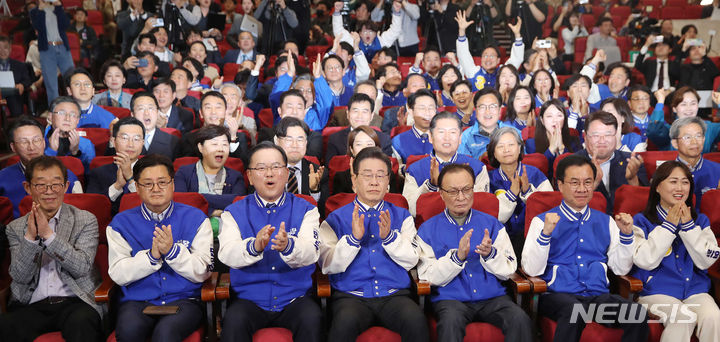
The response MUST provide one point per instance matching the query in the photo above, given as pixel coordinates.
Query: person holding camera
(51, 22)
(533, 14)
(440, 14)
(279, 22)
(485, 14)
(408, 41)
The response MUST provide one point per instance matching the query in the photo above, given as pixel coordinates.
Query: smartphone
(143, 62)
(582, 2)
(543, 44)
(659, 39)
(695, 42)
(159, 22)
(649, 8)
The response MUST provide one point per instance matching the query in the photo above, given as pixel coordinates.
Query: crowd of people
(291, 104)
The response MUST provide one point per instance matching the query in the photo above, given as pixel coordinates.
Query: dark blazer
(232, 55)
(188, 147)
(99, 180)
(649, 68)
(130, 29)
(337, 144)
(305, 187)
(617, 176)
(180, 119)
(37, 18)
(134, 81)
(22, 76)
(162, 143)
(192, 103)
(186, 180)
(314, 144)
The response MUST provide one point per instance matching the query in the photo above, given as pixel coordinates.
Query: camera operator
(660, 72)
(278, 20)
(701, 70)
(442, 29)
(533, 14)
(485, 14)
(408, 40)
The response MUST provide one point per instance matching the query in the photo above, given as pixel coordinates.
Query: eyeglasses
(687, 138)
(575, 184)
(599, 136)
(162, 185)
(275, 168)
(489, 56)
(334, 68)
(368, 176)
(72, 115)
(82, 85)
(25, 143)
(466, 191)
(640, 98)
(126, 138)
(55, 187)
(492, 107)
(291, 140)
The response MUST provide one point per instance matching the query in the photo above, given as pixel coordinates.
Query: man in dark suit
(213, 108)
(115, 179)
(183, 78)
(144, 107)
(142, 76)
(360, 112)
(305, 177)
(292, 104)
(246, 51)
(171, 115)
(20, 74)
(614, 167)
(130, 22)
(660, 72)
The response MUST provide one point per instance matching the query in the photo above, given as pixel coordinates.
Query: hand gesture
(74, 139)
(466, 118)
(485, 247)
(31, 233)
(397, 6)
(233, 124)
(259, 62)
(280, 241)
(516, 28)
(464, 246)
(418, 58)
(716, 99)
(624, 222)
(599, 175)
(122, 160)
(317, 67)
(314, 177)
(555, 140)
(131, 62)
(453, 58)
(384, 224)
(380, 83)
(674, 214)
(54, 139)
(280, 3)
(402, 116)
(165, 239)
(434, 171)
(218, 82)
(551, 220)
(685, 215)
(524, 182)
(650, 40)
(514, 183)
(338, 6)
(263, 238)
(661, 94)
(358, 223)
(463, 24)
(291, 65)
(633, 166)
(356, 40)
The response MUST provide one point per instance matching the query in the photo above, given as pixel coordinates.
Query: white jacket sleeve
(305, 247)
(400, 246)
(412, 191)
(508, 202)
(124, 268)
(339, 31)
(336, 254)
(193, 17)
(362, 68)
(517, 54)
(438, 272)
(482, 181)
(589, 71)
(620, 253)
(233, 250)
(465, 58)
(501, 261)
(649, 252)
(701, 245)
(194, 263)
(544, 186)
(389, 37)
(535, 254)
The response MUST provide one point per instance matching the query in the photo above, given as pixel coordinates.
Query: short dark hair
(80, 9)
(128, 120)
(148, 54)
(140, 94)
(572, 160)
(382, 71)
(603, 20)
(388, 52)
(604, 117)
(487, 91)
(459, 83)
(620, 65)
(574, 78)
(266, 145)
(242, 77)
(444, 115)
(371, 153)
(687, 28)
(188, 74)
(292, 92)
(360, 97)
(5, 39)
(213, 93)
(164, 80)
(285, 123)
(347, 47)
(77, 71)
(455, 168)
(44, 162)
(64, 99)
(639, 87)
(335, 57)
(420, 93)
(149, 36)
(210, 132)
(150, 161)
(109, 64)
(22, 121)
(197, 65)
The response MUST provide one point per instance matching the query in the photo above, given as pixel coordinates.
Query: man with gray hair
(237, 110)
(687, 135)
(61, 135)
(422, 176)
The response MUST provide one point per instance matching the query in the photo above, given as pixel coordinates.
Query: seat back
(528, 132)
(709, 207)
(101, 161)
(399, 129)
(100, 137)
(630, 199)
(193, 199)
(326, 133)
(653, 159)
(97, 204)
(266, 117)
(182, 161)
(337, 164)
(431, 204)
(557, 160)
(712, 156)
(6, 210)
(119, 112)
(172, 131)
(542, 201)
(413, 158)
(537, 160)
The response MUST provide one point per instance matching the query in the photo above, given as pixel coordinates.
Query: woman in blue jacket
(674, 247)
(209, 176)
(552, 134)
(627, 139)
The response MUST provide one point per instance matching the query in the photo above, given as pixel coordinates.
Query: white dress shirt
(49, 282)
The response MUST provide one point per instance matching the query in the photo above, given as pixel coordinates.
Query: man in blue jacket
(61, 135)
(475, 139)
(571, 247)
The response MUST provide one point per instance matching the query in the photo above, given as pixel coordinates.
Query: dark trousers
(14, 100)
(243, 318)
(559, 307)
(75, 319)
(133, 325)
(408, 51)
(353, 315)
(453, 316)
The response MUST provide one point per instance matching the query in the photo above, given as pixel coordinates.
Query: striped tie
(292, 186)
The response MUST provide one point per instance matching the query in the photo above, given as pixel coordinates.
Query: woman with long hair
(520, 111)
(552, 134)
(507, 79)
(674, 247)
(543, 84)
(447, 76)
(627, 140)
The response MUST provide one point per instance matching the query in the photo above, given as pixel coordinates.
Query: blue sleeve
(219, 201)
(72, 178)
(463, 148)
(181, 182)
(397, 145)
(282, 84)
(658, 132)
(530, 146)
(323, 100)
(88, 152)
(251, 88)
(658, 113)
(389, 121)
(712, 135)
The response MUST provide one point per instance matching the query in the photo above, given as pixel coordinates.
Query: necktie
(578, 215)
(661, 76)
(270, 205)
(147, 143)
(292, 185)
(424, 137)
